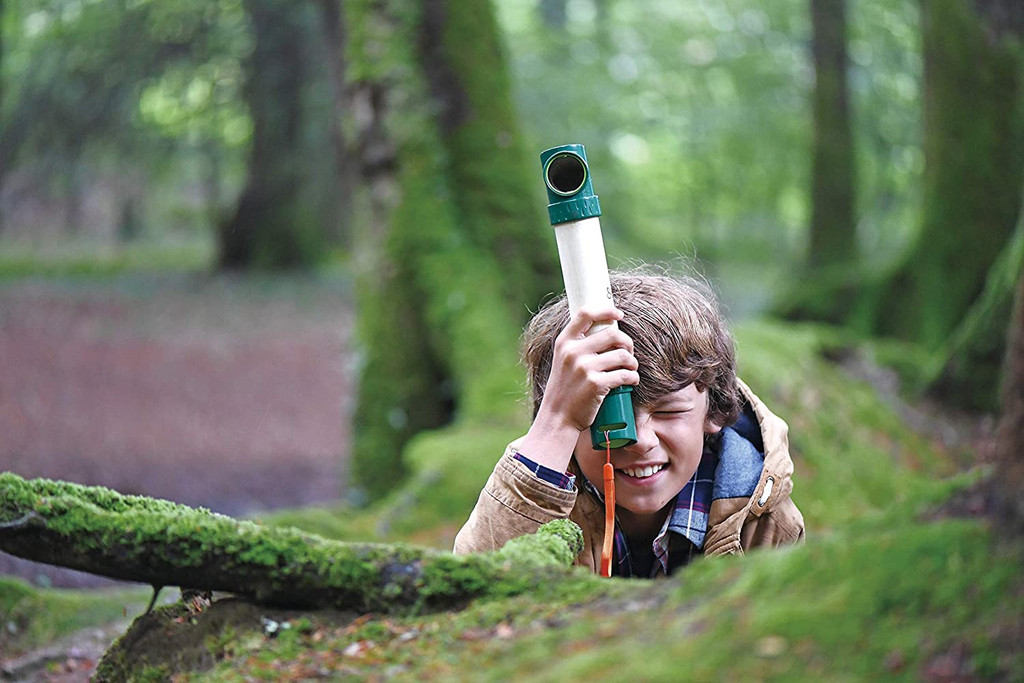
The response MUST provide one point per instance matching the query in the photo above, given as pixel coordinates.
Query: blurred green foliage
(135, 100)
(696, 117)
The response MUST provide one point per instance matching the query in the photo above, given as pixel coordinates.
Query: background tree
(457, 249)
(83, 104)
(832, 239)
(345, 166)
(974, 168)
(1008, 480)
(276, 221)
(953, 293)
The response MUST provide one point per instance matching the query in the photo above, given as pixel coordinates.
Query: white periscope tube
(584, 266)
(574, 209)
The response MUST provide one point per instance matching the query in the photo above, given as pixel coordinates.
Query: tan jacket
(516, 502)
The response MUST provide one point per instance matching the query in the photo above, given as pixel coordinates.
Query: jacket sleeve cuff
(514, 485)
(563, 480)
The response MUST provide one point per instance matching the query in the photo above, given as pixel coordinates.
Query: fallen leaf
(771, 646)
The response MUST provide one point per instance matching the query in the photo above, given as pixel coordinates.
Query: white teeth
(643, 472)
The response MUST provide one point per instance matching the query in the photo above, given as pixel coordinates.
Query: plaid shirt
(688, 521)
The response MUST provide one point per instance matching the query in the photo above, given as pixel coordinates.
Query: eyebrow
(678, 403)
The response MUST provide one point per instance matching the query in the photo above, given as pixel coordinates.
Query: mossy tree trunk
(970, 366)
(1008, 482)
(454, 250)
(275, 224)
(135, 538)
(833, 227)
(974, 167)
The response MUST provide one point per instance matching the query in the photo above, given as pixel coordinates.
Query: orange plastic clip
(609, 512)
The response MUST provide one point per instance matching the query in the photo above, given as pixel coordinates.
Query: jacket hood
(774, 482)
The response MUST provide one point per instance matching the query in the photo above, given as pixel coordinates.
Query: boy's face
(670, 440)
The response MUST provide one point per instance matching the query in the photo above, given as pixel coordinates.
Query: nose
(646, 438)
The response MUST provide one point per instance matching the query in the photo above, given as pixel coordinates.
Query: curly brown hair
(679, 338)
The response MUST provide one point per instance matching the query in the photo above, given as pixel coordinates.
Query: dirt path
(228, 393)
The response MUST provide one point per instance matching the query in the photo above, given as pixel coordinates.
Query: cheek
(590, 461)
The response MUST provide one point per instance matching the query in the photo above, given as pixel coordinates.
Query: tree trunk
(974, 166)
(972, 360)
(457, 240)
(554, 13)
(833, 227)
(497, 194)
(345, 168)
(272, 226)
(161, 543)
(1008, 480)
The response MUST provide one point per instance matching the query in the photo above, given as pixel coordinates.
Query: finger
(625, 377)
(605, 340)
(614, 359)
(601, 383)
(588, 316)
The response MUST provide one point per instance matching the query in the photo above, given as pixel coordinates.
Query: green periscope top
(567, 179)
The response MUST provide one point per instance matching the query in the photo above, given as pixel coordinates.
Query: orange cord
(609, 512)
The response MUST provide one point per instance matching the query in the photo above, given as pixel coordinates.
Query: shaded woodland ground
(230, 394)
(877, 476)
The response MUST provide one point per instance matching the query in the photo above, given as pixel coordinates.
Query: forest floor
(224, 392)
(259, 370)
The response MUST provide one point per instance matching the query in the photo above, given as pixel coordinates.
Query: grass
(874, 601)
(63, 612)
(92, 260)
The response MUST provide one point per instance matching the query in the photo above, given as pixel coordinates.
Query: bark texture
(141, 539)
(274, 225)
(970, 369)
(1008, 482)
(832, 233)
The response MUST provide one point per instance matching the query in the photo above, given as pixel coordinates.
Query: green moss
(882, 598)
(89, 261)
(166, 544)
(853, 452)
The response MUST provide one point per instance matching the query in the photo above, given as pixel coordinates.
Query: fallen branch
(135, 538)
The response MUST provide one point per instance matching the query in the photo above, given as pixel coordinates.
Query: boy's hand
(587, 365)
(584, 368)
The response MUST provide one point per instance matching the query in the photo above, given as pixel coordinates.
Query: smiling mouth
(642, 472)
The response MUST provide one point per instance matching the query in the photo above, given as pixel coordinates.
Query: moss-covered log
(161, 543)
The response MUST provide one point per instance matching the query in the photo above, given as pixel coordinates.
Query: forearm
(514, 502)
(549, 442)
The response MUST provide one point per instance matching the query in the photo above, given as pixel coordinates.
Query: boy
(710, 471)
